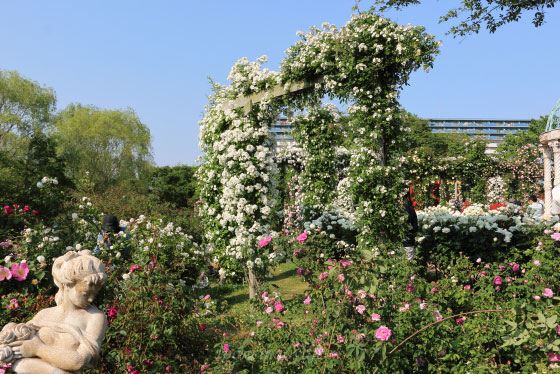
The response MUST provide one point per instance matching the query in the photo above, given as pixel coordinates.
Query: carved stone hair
(74, 266)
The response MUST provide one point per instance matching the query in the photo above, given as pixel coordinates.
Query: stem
(445, 319)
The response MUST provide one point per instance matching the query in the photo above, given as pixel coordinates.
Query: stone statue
(65, 338)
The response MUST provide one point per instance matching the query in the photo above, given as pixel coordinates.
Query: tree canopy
(103, 146)
(472, 14)
(25, 106)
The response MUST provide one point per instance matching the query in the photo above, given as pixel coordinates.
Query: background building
(494, 130)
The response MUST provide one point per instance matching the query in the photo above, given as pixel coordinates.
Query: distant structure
(550, 147)
(493, 130)
(281, 131)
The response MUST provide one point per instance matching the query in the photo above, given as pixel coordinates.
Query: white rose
(39, 185)
(41, 259)
(74, 215)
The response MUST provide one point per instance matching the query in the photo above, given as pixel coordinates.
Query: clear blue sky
(156, 56)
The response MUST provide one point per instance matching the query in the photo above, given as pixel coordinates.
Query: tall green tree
(25, 107)
(104, 147)
(474, 14)
(175, 185)
(513, 142)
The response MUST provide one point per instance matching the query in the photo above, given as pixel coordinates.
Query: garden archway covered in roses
(364, 63)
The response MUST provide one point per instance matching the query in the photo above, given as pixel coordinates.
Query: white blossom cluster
(471, 221)
(496, 189)
(46, 180)
(238, 177)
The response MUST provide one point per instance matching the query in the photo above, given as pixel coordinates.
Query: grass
(284, 280)
(235, 308)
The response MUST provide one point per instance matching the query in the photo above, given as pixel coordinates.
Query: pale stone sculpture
(65, 338)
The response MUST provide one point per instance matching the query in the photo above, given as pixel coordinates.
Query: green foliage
(370, 313)
(489, 13)
(175, 185)
(103, 146)
(25, 106)
(512, 142)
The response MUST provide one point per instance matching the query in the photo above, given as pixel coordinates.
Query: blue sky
(156, 57)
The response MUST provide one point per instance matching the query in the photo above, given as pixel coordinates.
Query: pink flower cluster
(19, 272)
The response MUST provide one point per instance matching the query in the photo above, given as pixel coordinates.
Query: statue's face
(82, 293)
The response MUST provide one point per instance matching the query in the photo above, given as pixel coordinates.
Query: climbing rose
(383, 333)
(302, 237)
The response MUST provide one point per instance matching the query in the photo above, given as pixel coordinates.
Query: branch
(445, 319)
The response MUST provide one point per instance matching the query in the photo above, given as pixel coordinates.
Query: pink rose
(341, 277)
(8, 209)
(375, 317)
(460, 321)
(264, 242)
(497, 280)
(548, 292)
(278, 306)
(302, 237)
(323, 275)
(515, 267)
(536, 263)
(553, 357)
(558, 329)
(5, 273)
(319, 351)
(299, 271)
(555, 236)
(307, 301)
(536, 297)
(383, 333)
(361, 309)
(20, 272)
(226, 348)
(269, 310)
(345, 263)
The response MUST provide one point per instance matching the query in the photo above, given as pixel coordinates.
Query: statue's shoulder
(47, 314)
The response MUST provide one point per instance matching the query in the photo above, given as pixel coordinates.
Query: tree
(104, 147)
(25, 106)
(491, 13)
(175, 185)
(513, 142)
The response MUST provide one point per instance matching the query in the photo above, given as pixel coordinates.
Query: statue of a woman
(67, 337)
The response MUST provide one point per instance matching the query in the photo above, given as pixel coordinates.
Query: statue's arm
(65, 359)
